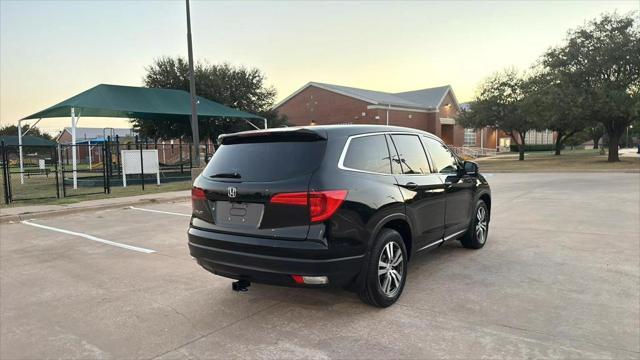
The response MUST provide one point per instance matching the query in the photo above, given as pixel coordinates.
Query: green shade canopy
(12, 140)
(138, 102)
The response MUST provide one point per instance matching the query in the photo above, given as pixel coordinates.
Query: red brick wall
(448, 111)
(451, 134)
(326, 107)
(65, 137)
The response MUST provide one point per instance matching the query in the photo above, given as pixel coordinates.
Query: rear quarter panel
(371, 199)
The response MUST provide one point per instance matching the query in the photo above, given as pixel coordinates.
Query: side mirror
(470, 168)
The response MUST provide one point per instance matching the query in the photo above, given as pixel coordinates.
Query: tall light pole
(195, 134)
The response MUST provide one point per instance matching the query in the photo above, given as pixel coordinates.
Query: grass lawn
(42, 190)
(570, 160)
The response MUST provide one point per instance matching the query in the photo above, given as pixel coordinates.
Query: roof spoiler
(272, 135)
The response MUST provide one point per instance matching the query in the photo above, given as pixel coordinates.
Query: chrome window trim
(346, 148)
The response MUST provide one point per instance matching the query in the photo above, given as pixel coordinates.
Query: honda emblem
(231, 191)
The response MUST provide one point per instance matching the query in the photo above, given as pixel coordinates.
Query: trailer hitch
(240, 285)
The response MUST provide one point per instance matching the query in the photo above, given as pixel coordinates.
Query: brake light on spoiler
(322, 204)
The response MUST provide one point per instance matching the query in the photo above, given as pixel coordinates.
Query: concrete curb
(78, 209)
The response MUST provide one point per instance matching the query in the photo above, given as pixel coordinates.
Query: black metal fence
(48, 172)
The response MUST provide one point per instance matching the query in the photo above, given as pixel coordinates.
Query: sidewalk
(629, 152)
(41, 211)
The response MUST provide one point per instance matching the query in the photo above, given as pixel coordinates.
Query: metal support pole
(388, 114)
(626, 145)
(54, 156)
(104, 170)
(5, 174)
(118, 159)
(181, 164)
(265, 123)
(89, 147)
(74, 156)
(141, 166)
(20, 151)
(252, 124)
(195, 133)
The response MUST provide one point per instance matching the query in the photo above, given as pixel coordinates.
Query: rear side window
(443, 159)
(368, 153)
(411, 155)
(265, 161)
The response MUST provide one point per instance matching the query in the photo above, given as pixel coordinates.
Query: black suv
(343, 205)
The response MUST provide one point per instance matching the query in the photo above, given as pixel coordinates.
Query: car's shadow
(427, 263)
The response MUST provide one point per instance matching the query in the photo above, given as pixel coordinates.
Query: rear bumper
(270, 261)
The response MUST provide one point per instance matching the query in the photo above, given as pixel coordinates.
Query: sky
(52, 50)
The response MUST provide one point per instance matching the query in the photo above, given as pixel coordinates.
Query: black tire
(476, 236)
(372, 291)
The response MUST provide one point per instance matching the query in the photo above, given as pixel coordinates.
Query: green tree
(501, 103)
(601, 58)
(13, 130)
(237, 87)
(558, 107)
(596, 131)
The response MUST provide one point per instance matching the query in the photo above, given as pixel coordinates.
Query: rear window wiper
(233, 175)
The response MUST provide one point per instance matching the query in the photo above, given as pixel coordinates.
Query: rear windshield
(265, 161)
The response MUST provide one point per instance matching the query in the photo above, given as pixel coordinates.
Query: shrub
(534, 147)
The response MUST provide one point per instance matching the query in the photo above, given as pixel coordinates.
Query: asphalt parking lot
(558, 278)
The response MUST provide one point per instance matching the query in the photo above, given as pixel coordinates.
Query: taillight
(299, 198)
(322, 204)
(197, 194)
(200, 205)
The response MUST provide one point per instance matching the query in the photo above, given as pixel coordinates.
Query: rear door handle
(415, 187)
(410, 186)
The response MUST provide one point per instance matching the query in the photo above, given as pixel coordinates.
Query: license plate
(236, 214)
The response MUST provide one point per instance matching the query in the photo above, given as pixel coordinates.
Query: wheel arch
(486, 197)
(399, 223)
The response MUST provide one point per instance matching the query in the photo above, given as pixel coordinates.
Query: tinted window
(443, 159)
(411, 155)
(368, 153)
(266, 161)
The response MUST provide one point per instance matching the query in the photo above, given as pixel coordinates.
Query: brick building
(433, 110)
(87, 134)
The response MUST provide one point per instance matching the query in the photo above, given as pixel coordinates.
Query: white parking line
(89, 237)
(160, 212)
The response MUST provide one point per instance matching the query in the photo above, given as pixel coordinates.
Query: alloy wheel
(482, 224)
(390, 269)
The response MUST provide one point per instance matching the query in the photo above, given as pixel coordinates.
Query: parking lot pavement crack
(181, 258)
(473, 322)
(217, 330)
(188, 319)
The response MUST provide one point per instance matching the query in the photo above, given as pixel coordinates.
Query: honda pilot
(343, 205)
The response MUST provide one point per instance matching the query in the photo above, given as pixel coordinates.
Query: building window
(469, 137)
(535, 137)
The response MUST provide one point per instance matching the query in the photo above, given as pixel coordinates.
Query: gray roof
(379, 97)
(420, 99)
(430, 97)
